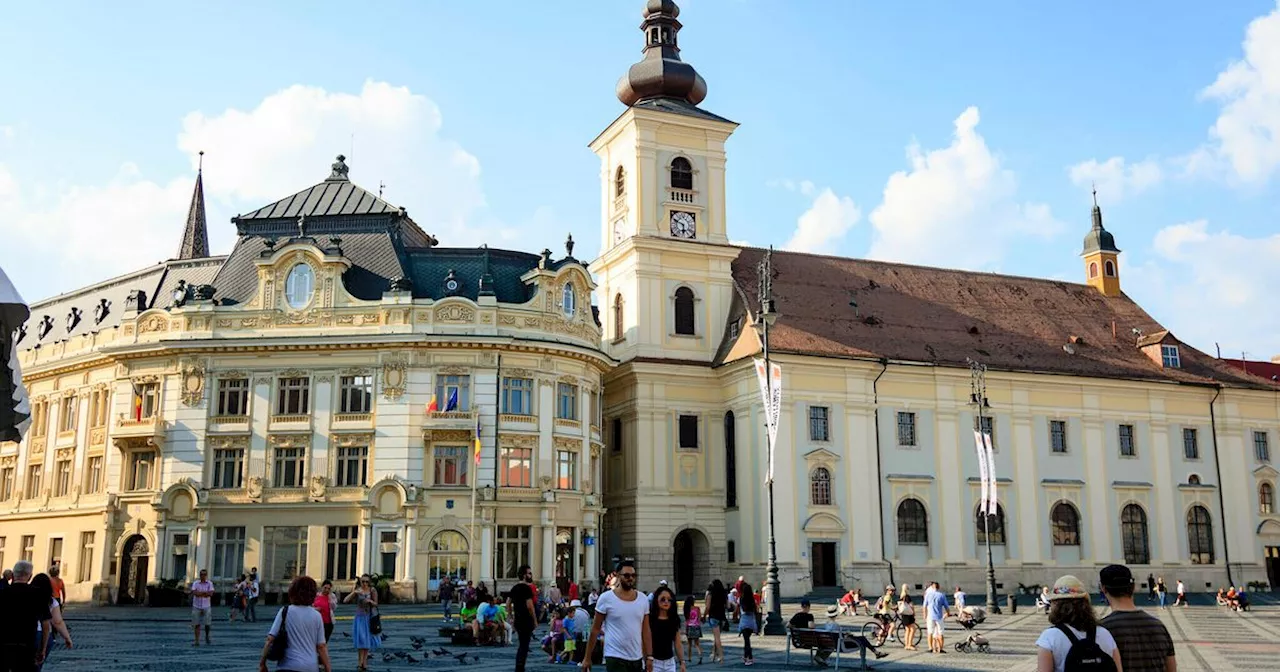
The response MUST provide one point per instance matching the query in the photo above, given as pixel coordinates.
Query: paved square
(159, 640)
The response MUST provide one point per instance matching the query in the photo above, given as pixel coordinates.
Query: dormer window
(681, 173)
(101, 311)
(299, 285)
(46, 325)
(1169, 357)
(73, 318)
(570, 299)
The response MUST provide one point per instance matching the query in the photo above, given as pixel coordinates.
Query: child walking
(693, 627)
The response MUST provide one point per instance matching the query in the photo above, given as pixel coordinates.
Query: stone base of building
(404, 591)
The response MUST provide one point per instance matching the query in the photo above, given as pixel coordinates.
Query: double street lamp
(773, 624)
(978, 399)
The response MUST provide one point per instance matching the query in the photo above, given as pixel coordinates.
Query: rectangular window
(181, 553)
(228, 552)
(29, 547)
(146, 401)
(517, 396)
(288, 468)
(987, 425)
(84, 565)
(453, 393)
(689, 432)
(228, 468)
(55, 552)
(35, 476)
(1058, 436)
(98, 408)
(293, 396)
(67, 415)
(39, 418)
(284, 553)
(357, 394)
(341, 552)
(93, 475)
(906, 428)
(513, 550)
(62, 478)
(450, 465)
(7, 478)
(616, 443)
(1190, 444)
(2, 543)
(819, 423)
(1169, 357)
(233, 397)
(567, 401)
(1261, 447)
(388, 553)
(141, 466)
(517, 467)
(1127, 449)
(566, 469)
(353, 466)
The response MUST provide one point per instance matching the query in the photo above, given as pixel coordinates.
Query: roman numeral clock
(683, 224)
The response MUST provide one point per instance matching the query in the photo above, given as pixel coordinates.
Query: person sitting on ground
(1231, 597)
(846, 605)
(1042, 600)
(1222, 597)
(1242, 600)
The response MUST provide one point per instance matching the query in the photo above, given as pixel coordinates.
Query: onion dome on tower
(661, 73)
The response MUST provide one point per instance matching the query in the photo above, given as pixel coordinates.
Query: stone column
(1098, 487)
(547, 567)
(592, 570)
(409, 550)
(485, 571)
(364, 545)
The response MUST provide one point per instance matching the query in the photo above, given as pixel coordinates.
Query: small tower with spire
(195, 237)
(1101, 256)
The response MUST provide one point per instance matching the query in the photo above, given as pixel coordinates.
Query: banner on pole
(771, 398)
(983, 495)
(991, 474)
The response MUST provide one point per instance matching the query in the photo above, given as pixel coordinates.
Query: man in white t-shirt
(623, 615)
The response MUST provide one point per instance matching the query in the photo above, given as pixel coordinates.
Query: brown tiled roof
(1269, 371)
(944, 317)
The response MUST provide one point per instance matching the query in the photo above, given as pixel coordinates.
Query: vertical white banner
(980, 445)
(771, 400)
(991, 474)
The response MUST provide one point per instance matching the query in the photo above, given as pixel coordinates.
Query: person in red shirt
(326, 603)
(59, 587)
(573, 591)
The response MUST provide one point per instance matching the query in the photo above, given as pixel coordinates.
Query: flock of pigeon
(418, 644)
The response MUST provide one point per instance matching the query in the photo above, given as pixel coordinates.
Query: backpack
(1085, 655)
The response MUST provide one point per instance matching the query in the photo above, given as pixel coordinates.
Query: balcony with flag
(142, 424)
(455, 413)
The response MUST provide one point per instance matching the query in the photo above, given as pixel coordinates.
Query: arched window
(913, 524)
(1065, 521)
(570, 299)
(1200, 536)
(619, 330)
(681, 173)
(730, 461)
(684, 311)
(1133, 535)
(995, 523)
(1093, 269)
(1110, 268)
(448, 556)
(820, 487)
(1193, 479)
(619, 182)
(1266, 499)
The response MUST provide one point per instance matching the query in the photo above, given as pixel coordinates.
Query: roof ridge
(124, 277)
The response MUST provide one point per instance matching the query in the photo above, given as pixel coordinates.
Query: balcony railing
(352, 418)
(568, 424)
(290, 419)
(518, 417)
(140, 428)
(682, 195)
(229, 420)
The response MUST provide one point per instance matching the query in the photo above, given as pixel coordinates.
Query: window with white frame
(517, 396)
(1261, 447)
(1127, 447)
(62, 477)
(146, 401)
(453, 391)
(517, 466)
(8, 476)
(356, 394)
(228, 552)
(450, 465)
(35, 478)
(820, 487)
(228, 468)
(906, 428)
(513, 550)
(233, 397)
(67, 415)
(288, 467)
(29, 547)
(567, 401)
(141, 470)
(1266, 499)
(341, 549)
(284, 553)
(1169, 357)
(1058, 436)
(293, 396)
(566, 470)
(352, 467)
(1190, 443)
(84, 564)
(569, 299)
(93, 475)
(819, 423)
(99, 407)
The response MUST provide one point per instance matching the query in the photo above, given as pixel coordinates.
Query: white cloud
(7, 132)
(1212, 285)
(1116, 179)
(956, 206)
(826, 221)
(82, 234)
(1246, 135)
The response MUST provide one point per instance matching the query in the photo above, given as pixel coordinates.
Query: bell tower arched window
(1110, 267)
(820, 487)
(619, 331)
(681, 173)
(684, 311)
(1093, 269)
(619, 182)
(1266, 499)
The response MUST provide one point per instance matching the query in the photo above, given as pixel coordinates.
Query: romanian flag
(433, 406)
(137, 403)
(477, 439)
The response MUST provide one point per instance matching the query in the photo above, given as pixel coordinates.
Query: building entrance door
(822, 559)
(1273, 567)
(133, 571)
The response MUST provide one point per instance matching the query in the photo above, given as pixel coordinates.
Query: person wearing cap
(847, 642)
(1144, 642)
(1071, 620)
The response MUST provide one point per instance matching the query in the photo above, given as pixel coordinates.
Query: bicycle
(879, 632)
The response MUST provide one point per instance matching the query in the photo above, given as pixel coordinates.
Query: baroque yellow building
(1114, 442)
(310, 403)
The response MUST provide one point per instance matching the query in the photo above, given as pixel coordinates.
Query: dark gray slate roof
(331, 197)
(679, 107)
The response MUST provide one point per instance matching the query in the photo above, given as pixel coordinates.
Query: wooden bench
(813, 641)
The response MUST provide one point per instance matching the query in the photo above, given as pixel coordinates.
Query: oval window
(299, 286)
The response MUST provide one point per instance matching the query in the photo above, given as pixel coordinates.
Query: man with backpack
(1144, 642)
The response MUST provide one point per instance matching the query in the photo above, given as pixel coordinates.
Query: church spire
(661, 73)
(195, 237)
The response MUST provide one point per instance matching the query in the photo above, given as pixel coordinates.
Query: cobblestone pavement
(1207, 638)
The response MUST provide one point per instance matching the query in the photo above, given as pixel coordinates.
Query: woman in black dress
(714, 607)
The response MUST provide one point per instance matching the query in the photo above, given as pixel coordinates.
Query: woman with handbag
(296, 639)
(366, 628)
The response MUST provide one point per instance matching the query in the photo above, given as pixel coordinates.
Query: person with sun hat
(1074, 642)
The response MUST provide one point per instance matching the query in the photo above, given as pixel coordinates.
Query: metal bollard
(1013, 604)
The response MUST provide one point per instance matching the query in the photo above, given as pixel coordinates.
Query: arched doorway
(691, 566)
(448, 558)
(133, 570)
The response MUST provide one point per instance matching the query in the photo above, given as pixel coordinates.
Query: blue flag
(452, 403)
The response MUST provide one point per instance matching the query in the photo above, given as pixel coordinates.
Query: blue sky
(956, 134)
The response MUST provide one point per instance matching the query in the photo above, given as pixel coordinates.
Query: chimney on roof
(195, 237)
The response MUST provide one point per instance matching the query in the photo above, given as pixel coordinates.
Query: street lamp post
(978, 398)
(773, 624)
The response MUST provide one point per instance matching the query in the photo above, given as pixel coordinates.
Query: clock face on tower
(683, 224)
(619, 231)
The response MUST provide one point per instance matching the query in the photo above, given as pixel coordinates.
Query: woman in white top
(1071, 611)
(305, 648)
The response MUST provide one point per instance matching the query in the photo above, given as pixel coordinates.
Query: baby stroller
(969, 619)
